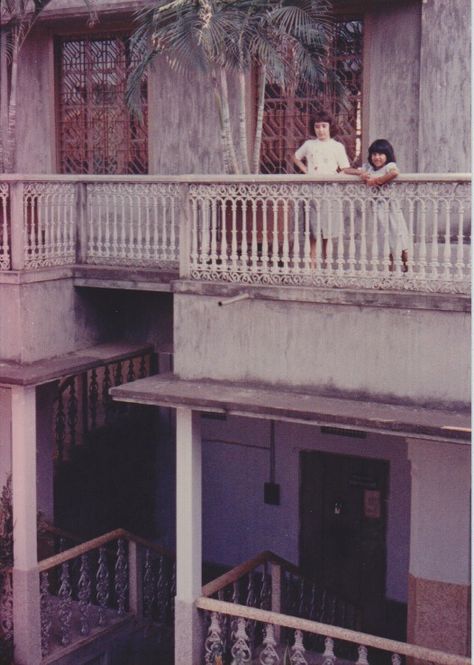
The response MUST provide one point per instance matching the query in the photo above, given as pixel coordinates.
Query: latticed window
(287, 119)
(97, 133)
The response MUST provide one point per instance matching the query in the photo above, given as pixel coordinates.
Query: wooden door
(343, 510)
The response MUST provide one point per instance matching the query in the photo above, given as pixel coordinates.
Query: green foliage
(289, 38)
(6, 526)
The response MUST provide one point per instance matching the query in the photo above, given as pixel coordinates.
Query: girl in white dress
(391, 225)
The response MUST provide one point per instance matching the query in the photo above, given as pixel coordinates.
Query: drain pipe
(231, 301)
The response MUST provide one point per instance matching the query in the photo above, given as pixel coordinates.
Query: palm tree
(17, 18)
(285, 41)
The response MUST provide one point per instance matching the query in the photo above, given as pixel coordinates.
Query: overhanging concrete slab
(43, 371)
(297, 406)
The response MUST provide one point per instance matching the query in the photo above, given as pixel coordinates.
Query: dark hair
(323, 116)
(383, 147)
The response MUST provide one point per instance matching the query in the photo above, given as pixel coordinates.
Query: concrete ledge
(124, 277)
(305, 407)
(37, 275)
(333, 296)
(43, 371)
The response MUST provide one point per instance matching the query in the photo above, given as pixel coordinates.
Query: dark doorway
(343, 506)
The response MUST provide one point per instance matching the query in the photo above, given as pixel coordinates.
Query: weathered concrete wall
(36, 144)
(445, 77)
(46, 319)
(417, 84)
(49, 318)
(391, 80)
(239, 524)
(386, 352)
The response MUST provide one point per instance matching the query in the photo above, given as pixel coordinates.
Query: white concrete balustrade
(252, 230)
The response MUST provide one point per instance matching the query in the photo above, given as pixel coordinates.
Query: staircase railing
(268, 581)
(266, 611)
(99, 583)
(301, 638)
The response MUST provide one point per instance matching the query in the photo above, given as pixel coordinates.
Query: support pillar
(26, 594)
(188, 632)
(439, 573)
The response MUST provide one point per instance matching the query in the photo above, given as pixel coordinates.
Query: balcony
(252, 230)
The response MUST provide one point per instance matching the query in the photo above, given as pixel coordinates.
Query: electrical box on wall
(271, 494)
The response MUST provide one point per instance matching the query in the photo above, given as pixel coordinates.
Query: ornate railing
(287, 639)
(83, 403)
(244, 229)
(92, 586)
(268, 582)
(262, 233)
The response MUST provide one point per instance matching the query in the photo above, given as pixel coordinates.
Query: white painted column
(26, 595)
(188, 632)
(439, 574)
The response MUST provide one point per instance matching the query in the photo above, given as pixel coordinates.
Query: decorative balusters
(236, 593)
(130, 371)
(328, 656)
(72, 417)
(275, 219)
(301, 598)
(269, 655)
(106, 399)
(5, 249)
(84, 595)
(65, 605)
(102, 586)
(362, 659)
(240, 644)
(121, 577)
(46, 613)
(435, 262)
(130, 224)
(93, 398)
(49, 223)
(265, 591)
(60, 428)
(396, 659)
(298, 651)
(148, 585)
(162, 595)
(214, 646)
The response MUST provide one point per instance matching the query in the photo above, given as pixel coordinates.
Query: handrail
(306, 625)
(242, 569)
(100, 541)
(48, 528)
(221, 178)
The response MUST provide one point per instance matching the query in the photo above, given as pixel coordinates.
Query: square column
(439, 573)
(26, 594)
(188, 632)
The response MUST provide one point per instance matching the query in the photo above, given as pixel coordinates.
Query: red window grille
(287, 118)
(97, 132)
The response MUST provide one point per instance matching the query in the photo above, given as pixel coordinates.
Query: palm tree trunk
(3, 96)
(257, 146)
(227, 128)
(10, 148)
(225, 147)
(244, 153)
